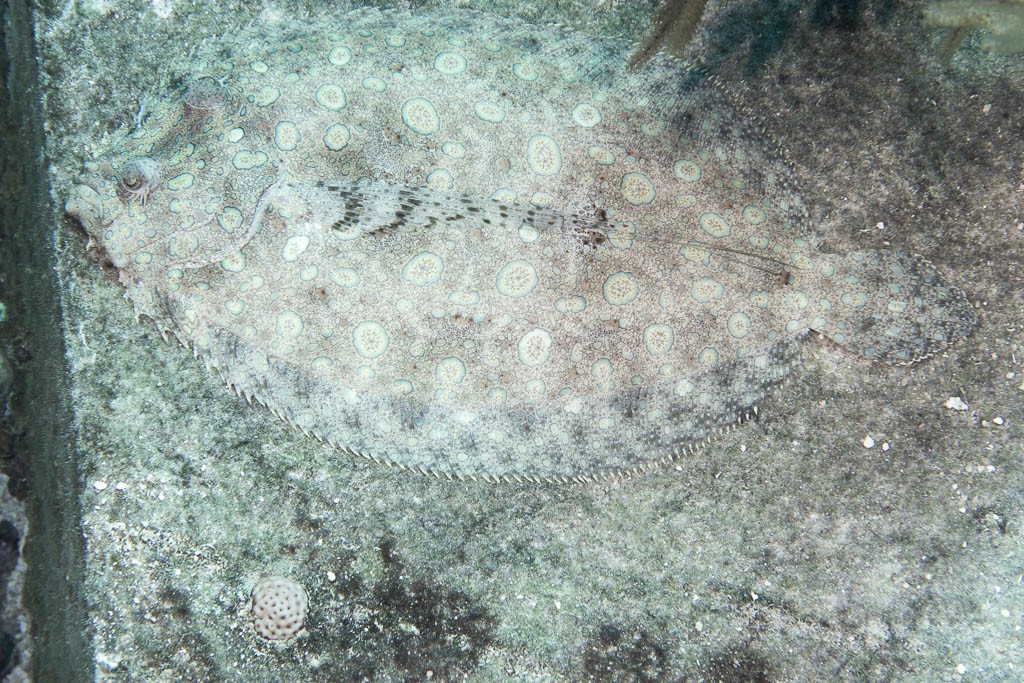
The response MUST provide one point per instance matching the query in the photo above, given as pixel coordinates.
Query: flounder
(472, 248)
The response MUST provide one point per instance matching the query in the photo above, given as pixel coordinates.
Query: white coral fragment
(279, 608)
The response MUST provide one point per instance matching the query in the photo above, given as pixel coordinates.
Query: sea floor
(866, 527)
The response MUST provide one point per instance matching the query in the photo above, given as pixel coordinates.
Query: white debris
(956, 403)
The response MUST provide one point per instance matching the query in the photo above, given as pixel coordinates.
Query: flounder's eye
(139, 178)
(205, 97)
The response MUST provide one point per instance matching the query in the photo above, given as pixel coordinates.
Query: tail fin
(895, 307)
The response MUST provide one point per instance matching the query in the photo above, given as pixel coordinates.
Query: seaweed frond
(1003, 19)
(674, 26)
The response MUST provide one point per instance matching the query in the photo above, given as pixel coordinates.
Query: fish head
(167, 191)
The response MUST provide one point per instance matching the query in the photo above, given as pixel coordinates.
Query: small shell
(139, 178)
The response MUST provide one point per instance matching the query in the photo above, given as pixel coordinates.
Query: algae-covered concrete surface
(865, 528)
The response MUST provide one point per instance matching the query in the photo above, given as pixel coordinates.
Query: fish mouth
(85, 204)
(90, 202)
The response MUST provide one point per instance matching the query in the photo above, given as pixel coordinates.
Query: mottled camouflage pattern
(471, 248)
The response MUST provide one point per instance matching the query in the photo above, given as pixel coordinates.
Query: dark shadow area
(762, 30)
(40, 456)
